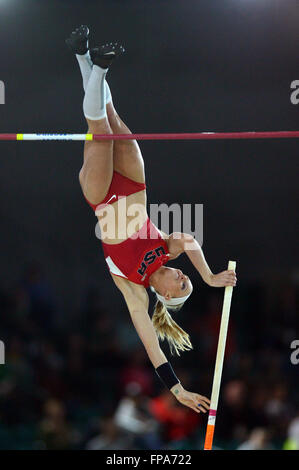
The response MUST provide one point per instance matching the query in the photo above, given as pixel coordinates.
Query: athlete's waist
(127, 234)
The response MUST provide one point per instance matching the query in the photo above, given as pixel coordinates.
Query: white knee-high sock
(94, 104)
(108, 93)
(85, 64)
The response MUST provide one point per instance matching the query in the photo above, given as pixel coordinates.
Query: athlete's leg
(127, 157)
(97, 170)
(96, 173)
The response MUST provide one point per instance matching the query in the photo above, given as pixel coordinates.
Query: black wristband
(167, 376)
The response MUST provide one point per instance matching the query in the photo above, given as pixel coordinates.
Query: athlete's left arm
(179, 243)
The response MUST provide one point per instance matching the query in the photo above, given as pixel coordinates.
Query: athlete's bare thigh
(97, 170)
(127, 157)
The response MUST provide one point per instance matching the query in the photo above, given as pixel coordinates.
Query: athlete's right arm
(137, 302)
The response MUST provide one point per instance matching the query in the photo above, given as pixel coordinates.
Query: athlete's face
(173, 283)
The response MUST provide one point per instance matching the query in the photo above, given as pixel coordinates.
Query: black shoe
(103, 56)
(78, 40)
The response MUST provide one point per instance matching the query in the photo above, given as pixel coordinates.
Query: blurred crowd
(86, 383)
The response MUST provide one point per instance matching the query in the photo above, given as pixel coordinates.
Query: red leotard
(142, 254)
(120, 186)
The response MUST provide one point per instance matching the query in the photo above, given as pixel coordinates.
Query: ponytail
(166, 327)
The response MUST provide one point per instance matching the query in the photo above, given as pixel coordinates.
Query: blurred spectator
(110, 438)
(132, 416)
(277, 406)
(292, 441)
(258, 440)
(54, 432)
(233, 409)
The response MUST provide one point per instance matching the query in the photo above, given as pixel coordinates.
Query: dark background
(190, 66)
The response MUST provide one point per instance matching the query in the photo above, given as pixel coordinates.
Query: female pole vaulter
(112, 178)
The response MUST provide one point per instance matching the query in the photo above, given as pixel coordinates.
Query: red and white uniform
(142, 254)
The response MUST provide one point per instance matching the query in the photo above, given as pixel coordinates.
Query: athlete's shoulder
(129, 288)
(175, 244)
(135, 295)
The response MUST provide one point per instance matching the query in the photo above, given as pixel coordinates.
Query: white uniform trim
(113, 268)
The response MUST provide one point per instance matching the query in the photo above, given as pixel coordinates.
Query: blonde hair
(166, 327)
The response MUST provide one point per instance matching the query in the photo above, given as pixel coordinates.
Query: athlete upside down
(113, 174)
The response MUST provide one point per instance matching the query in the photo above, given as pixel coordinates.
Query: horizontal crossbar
(173, 136)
